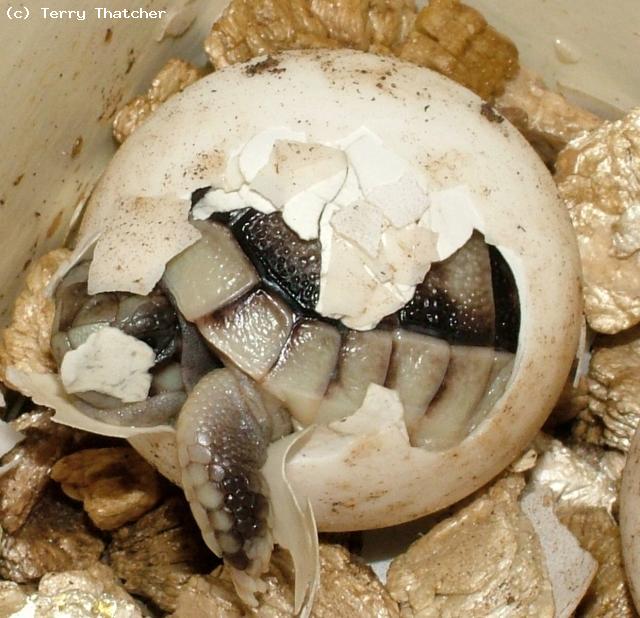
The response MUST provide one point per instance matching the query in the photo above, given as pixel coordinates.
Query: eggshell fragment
(410, 250)
(453, 217)
(385, 300)
(374, 164)
(381, 408)
(253, 199)
(346, 270)
(361, 223)
(377, 425)
(217, 200)
(570, 567)
(145, 233)
(294, 526)
(46, 389)
(402, 202)
(256, 153)
(380, 280)
(109, 362)
(350, 191)
(302, 214)
(584, 481)
(294, 167)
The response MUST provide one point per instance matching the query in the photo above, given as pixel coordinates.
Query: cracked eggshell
(217, 200)
(46, 389)
(109, 362)
(402, 202)
(411, 250)
(515, 206)
(571, 569)
(134, 248)
(453, 217)
(294, 167)
(361, 223)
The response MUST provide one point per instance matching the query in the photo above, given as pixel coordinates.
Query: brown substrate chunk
(158, 554)
(456, 40)
(483, 560)
(348, 589)
(546, 119)
(250, 28)
(25, 343)
(79, 594)
(54, 538)
(598, 178)
(12, 598)
(116, 485)
(22, 486)
(446, 35)
(611, 405)
(598, 533)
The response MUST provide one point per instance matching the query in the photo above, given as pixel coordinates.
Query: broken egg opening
(464, 191)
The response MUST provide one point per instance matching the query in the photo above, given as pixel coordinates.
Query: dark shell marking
(455, 300)
(507, 301)
(281, 257)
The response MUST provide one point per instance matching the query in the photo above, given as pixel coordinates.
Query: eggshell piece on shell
(374, 164)
(133, 250)
(46, 389)
(257, 151)
(453, 217)
(402, 202)
(295, 167)
(109, 362)
(410, 250)
(361, 223)
(217, 200)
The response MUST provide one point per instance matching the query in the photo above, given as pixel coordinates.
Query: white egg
(354, 477)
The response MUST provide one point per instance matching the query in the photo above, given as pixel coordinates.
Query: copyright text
(99, 12)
